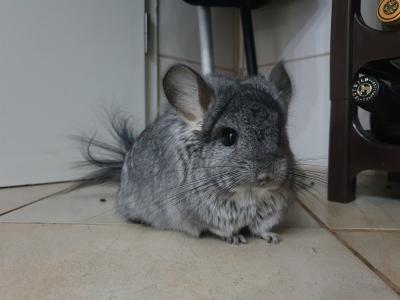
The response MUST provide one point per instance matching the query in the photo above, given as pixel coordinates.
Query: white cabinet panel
(62, 62)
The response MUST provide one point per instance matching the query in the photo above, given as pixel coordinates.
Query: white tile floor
(73, 246)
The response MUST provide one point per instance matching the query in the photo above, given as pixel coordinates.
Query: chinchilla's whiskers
(235, 182)
(316, 177)
(194, 183)
(310, 173)
(205, 184)
(198, 186)
(174, 161)
(175, 170)
(172, 200)
(301, 173)
(310, 177)
(172, 203)
(312, 163)
(315, 168)
(204, 178)
(302, 184)
(307, 159)
(304, 188)
(304, 180)
(192, 168)
(308, 191)
(311, 169)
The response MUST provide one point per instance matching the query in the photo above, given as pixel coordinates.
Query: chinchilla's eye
(228, 137)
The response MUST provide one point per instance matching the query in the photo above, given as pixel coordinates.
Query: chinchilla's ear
(187, 92)
(280, 79)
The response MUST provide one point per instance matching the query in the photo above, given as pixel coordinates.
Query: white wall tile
(292, 29)
(308, 122)
(179, 35)
(368, 12)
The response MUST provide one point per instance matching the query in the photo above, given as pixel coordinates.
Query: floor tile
(84, 207)
(298, 217)
(14, 197)
(380, 249)
(376, 206)
(79, 206)
(55, 261)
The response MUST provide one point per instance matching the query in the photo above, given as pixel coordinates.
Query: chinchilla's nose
(263, 179)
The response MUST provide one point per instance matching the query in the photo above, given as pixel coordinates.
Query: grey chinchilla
(217, 159)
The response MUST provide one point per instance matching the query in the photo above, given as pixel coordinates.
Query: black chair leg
(248, 38)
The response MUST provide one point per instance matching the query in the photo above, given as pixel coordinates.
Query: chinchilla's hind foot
(271, 237)
(230, 237)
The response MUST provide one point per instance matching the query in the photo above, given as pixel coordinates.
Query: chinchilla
(217, 159)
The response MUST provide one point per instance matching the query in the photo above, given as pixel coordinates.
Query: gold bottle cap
(389, 12)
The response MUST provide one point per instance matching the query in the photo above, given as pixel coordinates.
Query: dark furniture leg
(341, 187)
(341, 182)
(248, 38)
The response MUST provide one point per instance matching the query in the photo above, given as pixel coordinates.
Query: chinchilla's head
(240, 124)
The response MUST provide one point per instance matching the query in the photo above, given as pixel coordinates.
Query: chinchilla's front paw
(271, 237)
(235, 239)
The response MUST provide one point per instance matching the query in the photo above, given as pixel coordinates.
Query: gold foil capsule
(389, 12)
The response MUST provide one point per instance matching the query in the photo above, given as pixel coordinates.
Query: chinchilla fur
(217, 159)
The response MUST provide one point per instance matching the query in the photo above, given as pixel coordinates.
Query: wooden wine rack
(352, 149)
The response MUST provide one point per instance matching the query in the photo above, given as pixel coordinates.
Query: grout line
(295, 59)
(116, 223)
(35, 201)
(36, 184)
(382, 276)
(388, 230)
(318, 220)
(193, 62)
(65, 223)
(22, 206)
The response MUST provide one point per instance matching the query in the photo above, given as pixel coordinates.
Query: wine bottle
(387, 131)
(388, 12)
(377, 96)
(386, 70)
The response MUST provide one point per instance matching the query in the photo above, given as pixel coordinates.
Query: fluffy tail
(107, 167)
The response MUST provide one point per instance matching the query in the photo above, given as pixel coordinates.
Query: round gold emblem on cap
(389, 12)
